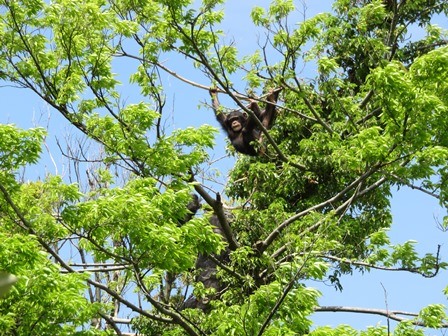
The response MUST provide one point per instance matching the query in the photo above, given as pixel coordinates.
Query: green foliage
(361, 111)
(251, 316)
(149, 220)
(405, 328)
(43, 301)
(19, 147)
(339, 330)
(433, 315)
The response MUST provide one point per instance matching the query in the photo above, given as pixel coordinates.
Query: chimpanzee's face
(236, 121)
(236, 125)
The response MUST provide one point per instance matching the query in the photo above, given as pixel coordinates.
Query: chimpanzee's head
(236, 121)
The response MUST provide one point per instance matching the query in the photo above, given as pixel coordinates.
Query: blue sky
(415, 214)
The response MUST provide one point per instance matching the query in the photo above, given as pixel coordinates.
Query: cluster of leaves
(373, 118)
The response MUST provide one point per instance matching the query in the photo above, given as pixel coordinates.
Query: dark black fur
(207, 268)
(241, 139)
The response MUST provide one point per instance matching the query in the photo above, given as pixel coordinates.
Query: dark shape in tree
(206, 266)
(241, 128)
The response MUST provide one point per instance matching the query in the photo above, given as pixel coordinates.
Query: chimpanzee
(241, 128)
(207, 269)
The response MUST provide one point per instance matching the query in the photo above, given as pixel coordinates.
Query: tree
(127, 246)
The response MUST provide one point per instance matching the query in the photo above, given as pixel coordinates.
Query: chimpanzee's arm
(268, 115)
(216, 107)
(256, 110)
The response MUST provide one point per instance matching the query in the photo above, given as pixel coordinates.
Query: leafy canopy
(362, 111)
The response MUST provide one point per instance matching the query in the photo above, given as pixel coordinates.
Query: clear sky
(415, 214)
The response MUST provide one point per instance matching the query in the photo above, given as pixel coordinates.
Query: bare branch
(392, 314)
(219, 211)
(384, 268)
(97, 270)
(412, 186)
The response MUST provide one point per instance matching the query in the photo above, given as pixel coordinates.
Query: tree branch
(261, 246)
(392, 314)
(280, 300)
(219, 211)
(410, 185)
(163, 308)
(384, 268)
(63, 264)
(309, 105)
